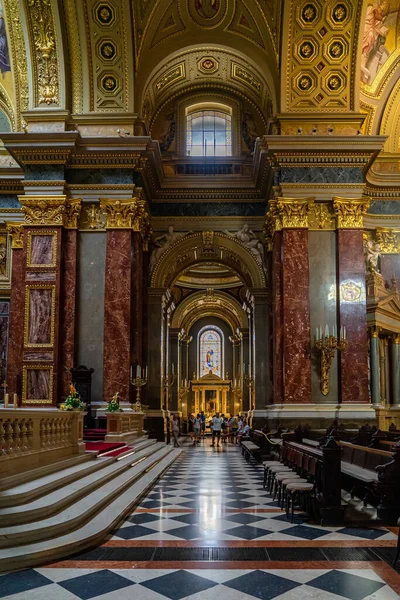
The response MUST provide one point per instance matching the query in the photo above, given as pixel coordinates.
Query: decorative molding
(17, 42)
(16, 231)
(45, 61)
(294, 212)
(75, 55)
(350, 212)
(74, 207)
(48, 210)
(127, 214)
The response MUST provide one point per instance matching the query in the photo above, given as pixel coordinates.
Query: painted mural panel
(380, 39)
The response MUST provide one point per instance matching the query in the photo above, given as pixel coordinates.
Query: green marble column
(374, 366)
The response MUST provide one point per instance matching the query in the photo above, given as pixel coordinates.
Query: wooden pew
(376, 471)
(327, 501)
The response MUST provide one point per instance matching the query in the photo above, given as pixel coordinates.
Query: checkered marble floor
(196, 534)
(200, 584)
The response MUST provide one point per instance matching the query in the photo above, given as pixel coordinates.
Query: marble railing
(124, 426)
(30, 437)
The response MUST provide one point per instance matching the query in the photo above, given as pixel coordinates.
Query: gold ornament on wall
(294, 212)
(49, 210)
(350, 212)
(45, 63)
(16, 230)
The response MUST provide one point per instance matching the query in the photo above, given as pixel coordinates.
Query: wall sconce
(327, 344)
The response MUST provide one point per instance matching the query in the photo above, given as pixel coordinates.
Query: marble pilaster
(69, 312)
(374, 366)
(17, 303)
(396, 369)
(277, 360)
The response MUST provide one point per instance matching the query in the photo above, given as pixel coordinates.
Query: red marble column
(117, 314)
(137, 305)
(68, 316)
(277, 361)
(17, 304)
(296, 338)
(353, 315)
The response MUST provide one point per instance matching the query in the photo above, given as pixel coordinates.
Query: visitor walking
(203, 424)
(196, 429)
(175, 430)
(233, 426)
(216, 424)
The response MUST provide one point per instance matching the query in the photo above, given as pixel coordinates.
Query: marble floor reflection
(209, 530)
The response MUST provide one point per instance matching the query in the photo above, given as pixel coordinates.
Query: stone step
(27, 492)
(25, 476)
(51, 503)
(77, 514)
(126, 495)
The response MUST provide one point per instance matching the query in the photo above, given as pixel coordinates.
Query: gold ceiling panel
(319, 68)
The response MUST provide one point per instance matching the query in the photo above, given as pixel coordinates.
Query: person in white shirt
(216, 425)
(196, 429)
(244, 431)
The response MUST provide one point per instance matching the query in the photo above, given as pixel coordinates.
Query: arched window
(211, 351)
(208, 133)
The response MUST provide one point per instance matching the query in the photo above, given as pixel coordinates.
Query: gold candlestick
(138, 382)
(249, 380)
(167, 383)
(328, 344)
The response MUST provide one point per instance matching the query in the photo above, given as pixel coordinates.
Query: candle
(344, 333)
(131, 372)
(173, 368)
(145, 373)
(6, 400)
(137, 370)
(15, 401)
(326, 331)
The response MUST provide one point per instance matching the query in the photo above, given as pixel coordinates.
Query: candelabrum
(249, 381)
(138, 382)
(184, 390)
(328, 343)
(167, 383)
(237, 393)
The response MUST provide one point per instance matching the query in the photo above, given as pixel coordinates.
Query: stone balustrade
(32, 438)
(124, 426)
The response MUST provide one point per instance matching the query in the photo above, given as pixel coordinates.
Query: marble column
(126, 228)
(374, 362)
(69, 313)
(384, 395)
(277, 359)
(17, 304)
(262, 393)
(174, 359)
(396, 369)
(353, 382)
(47, 296)
(288, 219)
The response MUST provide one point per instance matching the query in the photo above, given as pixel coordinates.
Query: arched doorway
(207, 282)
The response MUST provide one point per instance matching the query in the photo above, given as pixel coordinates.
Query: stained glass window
(209, 133)
(210, 350)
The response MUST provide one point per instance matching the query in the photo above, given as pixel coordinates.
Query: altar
(211, 394)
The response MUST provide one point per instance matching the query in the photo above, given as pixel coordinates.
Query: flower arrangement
(73, 401)
(113, 405)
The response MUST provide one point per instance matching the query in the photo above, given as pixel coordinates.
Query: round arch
(205, 247)
(213, 303)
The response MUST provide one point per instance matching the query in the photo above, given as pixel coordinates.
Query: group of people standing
(222, 428)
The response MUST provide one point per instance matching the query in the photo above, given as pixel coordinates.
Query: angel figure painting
(380, 37)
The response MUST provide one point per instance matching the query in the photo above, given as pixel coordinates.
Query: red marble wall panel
(16, 334)
(117, 314)
(137, 305)
(68, 316)
(296, 317)
(277, 360)
(42, 250)
(353, 315)
(40, 316)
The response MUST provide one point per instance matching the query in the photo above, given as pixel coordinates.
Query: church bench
(265, 441)
(377, 472)
(249, 449)
(323, 465)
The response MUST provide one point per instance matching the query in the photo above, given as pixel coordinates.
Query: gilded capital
(16, 231)
(127, 214)
(350, 212)
(294, 212)
(44, 210)
(273, 223)
(73, 213)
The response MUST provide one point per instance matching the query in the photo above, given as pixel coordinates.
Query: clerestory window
(208, 133)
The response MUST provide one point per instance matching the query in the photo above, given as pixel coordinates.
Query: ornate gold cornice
(44, 210)
(294, 212)
(350, 212)
(131, 214)
(16, 231)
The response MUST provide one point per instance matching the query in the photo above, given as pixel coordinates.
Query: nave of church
(199, 240)
(209, 530)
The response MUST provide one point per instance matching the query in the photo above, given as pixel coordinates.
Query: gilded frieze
(43, 40)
